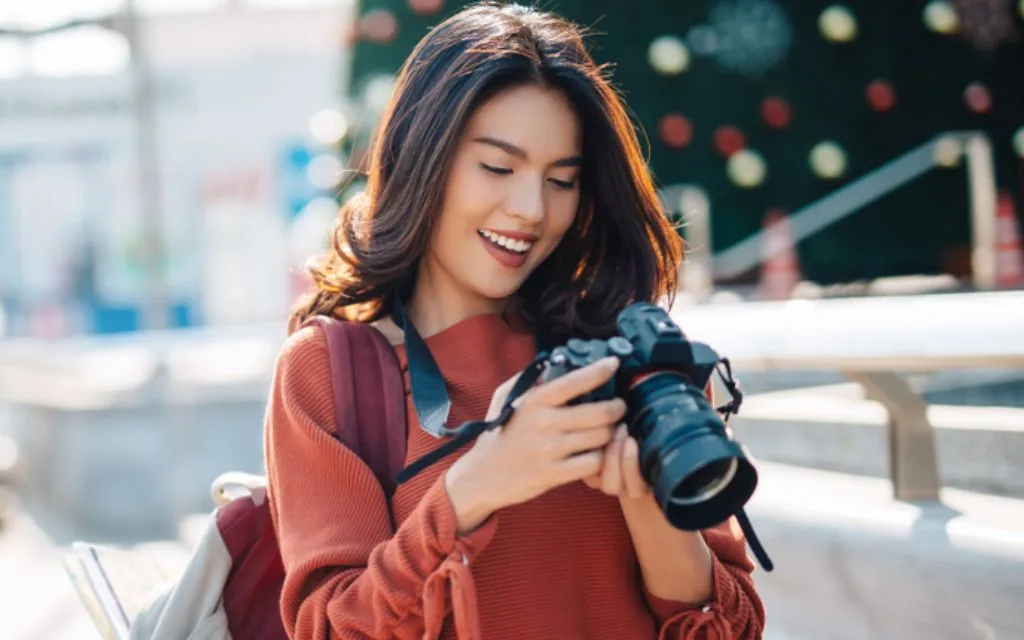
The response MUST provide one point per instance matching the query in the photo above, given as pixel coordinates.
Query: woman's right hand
(544, 445)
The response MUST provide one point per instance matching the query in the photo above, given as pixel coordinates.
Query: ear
(390, 330)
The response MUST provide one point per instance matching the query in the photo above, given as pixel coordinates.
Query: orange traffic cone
(780, 267)
(1009, 253)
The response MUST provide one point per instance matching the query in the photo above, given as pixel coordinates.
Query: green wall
(922, 228)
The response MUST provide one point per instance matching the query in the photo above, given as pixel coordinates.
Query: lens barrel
(699, 475)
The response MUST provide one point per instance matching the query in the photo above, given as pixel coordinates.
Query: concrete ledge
(835, 428)
(853, 564)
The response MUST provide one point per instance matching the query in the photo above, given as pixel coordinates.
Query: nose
(526, 202)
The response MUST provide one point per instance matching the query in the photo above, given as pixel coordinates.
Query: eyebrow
(511, 149)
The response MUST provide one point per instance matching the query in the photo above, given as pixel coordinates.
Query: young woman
(507, 196)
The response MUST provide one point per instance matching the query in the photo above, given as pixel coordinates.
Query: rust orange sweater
(561, 566)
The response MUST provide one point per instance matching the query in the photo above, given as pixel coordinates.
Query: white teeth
(518, 246)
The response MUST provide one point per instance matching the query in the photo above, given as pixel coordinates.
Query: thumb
(500, 395)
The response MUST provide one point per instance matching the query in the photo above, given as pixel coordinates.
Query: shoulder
(308, 343)
(304, 360)
(391, 331)
(307, 350)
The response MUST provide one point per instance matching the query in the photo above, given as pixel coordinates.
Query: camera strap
(468, 431)
(754, 542)
(724, 370)
(431, 401)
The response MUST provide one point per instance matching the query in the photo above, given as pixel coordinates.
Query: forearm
(400, 590)
(676, 565)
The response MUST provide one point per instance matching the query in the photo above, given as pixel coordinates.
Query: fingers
(579, 466)
(586, 416)
(611, 473)
(632, 478)
(573, 384)
(574, 442)
(500, 394)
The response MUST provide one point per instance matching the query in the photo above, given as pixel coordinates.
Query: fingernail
(620, 433)
(612, 363)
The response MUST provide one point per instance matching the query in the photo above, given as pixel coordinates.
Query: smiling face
(512, 193)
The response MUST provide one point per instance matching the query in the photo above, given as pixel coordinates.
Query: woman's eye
(501, 171)
(563, 184)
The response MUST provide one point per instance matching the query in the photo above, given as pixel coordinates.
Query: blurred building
(247, 100)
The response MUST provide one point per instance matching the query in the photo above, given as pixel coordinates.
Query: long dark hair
(620, 249)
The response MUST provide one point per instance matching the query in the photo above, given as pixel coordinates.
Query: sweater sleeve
(348, 572)
(734, 612)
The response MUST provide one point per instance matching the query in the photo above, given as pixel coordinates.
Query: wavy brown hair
(621, 247)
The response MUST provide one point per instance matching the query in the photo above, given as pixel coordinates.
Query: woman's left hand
(620, 474)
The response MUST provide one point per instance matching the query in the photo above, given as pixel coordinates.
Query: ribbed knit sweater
(561, 566)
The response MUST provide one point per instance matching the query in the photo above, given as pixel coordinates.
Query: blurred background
(166, 167)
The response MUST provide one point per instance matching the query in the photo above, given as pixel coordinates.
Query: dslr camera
(699, 474)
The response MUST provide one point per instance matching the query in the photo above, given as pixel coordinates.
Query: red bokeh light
(426, 7)
(978, 98)
(880, 95)
(776, 112)
(729, 139)
(675, 130)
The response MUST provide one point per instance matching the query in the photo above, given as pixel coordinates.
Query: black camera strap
(754, 542)
(724, 370)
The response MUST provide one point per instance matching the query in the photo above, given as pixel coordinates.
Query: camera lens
(700, 477)
(705, 483)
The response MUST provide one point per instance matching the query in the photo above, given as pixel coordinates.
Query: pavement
(37, 601)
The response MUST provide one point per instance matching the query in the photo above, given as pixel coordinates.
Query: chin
(498, 294)
(496, 290)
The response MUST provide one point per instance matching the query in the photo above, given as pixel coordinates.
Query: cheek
(563, 215)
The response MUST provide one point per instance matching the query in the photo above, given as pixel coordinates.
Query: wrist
(471, 505)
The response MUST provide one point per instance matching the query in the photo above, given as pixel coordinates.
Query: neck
(440, 302)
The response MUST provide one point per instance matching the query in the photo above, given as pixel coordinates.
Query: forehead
(541, 121)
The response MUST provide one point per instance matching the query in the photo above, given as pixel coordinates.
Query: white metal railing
(703, 266)
(872, 341)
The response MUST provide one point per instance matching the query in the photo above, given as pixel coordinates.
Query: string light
(838, 24)
(775, 112)
(947, 152)
(729, 140)
(880, 95)
(378, 25)
(668, 55)
(675, 130)
(426, 7)
(828, 160)
(1018, 138)
(328, 126)
(978, 98)
(940, 17)
(746, 168)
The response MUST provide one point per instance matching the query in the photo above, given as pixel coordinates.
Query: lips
(509, 249)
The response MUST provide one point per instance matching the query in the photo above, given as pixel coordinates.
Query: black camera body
(699, 474)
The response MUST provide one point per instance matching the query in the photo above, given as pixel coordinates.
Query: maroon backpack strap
(369, 397)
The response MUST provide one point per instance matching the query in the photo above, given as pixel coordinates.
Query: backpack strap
(369, 396)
